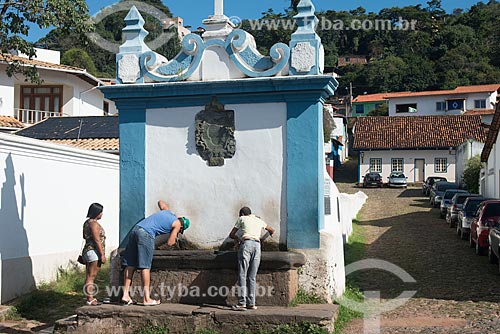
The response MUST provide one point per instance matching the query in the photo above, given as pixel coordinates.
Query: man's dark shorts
(140, 249)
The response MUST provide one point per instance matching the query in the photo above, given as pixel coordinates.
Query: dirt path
(457, 291)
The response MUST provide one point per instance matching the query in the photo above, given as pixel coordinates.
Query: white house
(475, 100)
(65, 91)
(418, 146)
(489, 185)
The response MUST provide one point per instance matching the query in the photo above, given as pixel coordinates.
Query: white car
(397, 179)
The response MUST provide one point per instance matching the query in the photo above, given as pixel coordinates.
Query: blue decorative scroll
(239, 46)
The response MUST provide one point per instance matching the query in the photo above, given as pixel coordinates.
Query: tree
(110, 29)
(381, 110)
(17, 16)
(471, 174)
(79, 58)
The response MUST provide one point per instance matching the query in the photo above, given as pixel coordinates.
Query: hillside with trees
(444, 50)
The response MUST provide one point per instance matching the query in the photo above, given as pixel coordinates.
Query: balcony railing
(28, 116)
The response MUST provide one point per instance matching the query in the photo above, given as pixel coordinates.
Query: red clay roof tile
(412, 132)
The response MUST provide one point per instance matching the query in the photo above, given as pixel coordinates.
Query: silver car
(446, 200)
(397, 179)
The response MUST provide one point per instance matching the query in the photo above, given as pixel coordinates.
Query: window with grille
(440, 165)
(376, 165)
(397, 165)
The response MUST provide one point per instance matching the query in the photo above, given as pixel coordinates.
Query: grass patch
(296, 328)
(304, 297)
(353, 251)
(59, 299)
(13, 314)
(151, 329)
(345, 314)
(355, 248)
(207, 331)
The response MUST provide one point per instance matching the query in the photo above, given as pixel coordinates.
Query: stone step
(185, 319)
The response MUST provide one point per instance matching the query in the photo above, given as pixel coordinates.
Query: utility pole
(350, 99)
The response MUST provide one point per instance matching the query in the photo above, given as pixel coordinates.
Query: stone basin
(199, 277)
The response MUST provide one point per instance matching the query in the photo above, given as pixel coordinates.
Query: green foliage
(207, 331)
(295, 328)
(304, 297)
(16, 17)
(346, 315)
(443, 52)
(381, 110)
(59, 299)
(79, 58)
(13, 314)
(353, 251)
(110, 28)
(472, 173)
(152, 329)
(355, 248)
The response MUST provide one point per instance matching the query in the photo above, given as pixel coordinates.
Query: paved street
(457, 291)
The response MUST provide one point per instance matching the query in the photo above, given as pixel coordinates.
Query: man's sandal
(239, 307)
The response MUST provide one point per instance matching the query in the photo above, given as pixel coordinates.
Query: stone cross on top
(218, 8)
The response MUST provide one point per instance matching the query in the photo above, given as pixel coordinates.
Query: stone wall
(207, 277)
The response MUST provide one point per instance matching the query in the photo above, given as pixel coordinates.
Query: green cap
(185, 224)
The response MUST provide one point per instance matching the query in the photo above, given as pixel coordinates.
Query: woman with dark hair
(93, 251)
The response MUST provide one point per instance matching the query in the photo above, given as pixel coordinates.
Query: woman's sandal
(152, 303)
(127, 302)
(93, 302)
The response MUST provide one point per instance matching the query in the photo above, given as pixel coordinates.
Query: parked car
(465, 216)
(486, 216)
(446, 201)
(437, 192)
(456, 206)
(397, 179)
(494, 243)
(372, 179)
(429, 182)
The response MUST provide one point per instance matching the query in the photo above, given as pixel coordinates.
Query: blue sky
(193, 13)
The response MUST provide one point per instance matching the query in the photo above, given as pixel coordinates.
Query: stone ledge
(179, 318)
(203, 259)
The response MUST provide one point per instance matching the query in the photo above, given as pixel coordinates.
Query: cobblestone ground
(457, 291)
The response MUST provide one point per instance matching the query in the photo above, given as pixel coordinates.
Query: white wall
(324, 271)
(6, 93)
(409, 162)
(426, 105)
(491, 169)
(46, 191)
(464, 153)
(254, 177)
